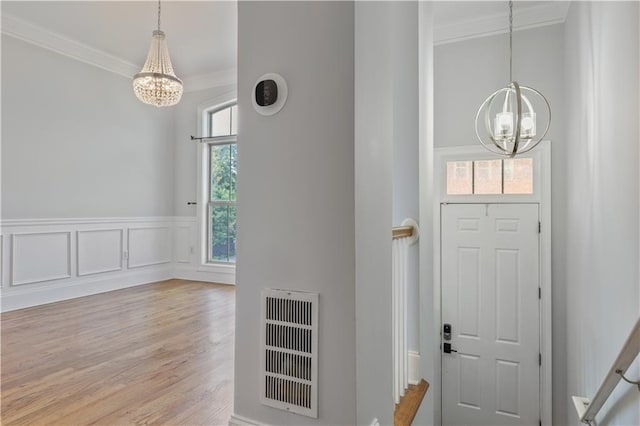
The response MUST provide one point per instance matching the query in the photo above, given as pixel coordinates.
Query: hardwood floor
(160, 353)
(409, 404)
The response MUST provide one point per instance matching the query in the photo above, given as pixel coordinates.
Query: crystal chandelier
(157, 84)
(506, 123)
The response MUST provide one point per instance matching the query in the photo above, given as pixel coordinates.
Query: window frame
(224, 271)
(474, 153)
(211, 203)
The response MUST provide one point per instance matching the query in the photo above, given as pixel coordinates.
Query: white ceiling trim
(532, 17)
(207, 81)
(41, 37)
(36, 35)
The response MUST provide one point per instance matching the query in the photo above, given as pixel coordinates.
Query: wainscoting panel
(40, 256)
(48, 260)
(2, 262)
(149, 246)
(182, 243)
(99, 251)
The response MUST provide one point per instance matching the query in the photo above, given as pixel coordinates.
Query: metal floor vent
(289, 340)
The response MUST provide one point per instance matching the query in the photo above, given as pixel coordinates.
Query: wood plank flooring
(159, 353)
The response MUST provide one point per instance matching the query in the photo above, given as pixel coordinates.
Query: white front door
(490, 299)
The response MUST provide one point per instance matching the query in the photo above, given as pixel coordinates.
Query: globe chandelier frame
(157, 84)
(503, 135)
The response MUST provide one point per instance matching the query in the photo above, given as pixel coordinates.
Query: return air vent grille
(290, 347)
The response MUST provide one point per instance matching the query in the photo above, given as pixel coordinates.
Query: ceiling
(446, 12)
(202, 35)
(459, 20)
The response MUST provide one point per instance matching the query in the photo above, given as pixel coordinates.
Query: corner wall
(87, 178)
(296, 206)
(602, 208)
(374, 127)
(405, 144)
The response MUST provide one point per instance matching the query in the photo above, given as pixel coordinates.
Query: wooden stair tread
(408, 406)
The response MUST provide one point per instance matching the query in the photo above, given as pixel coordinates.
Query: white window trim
(204, 108)
(476, 153)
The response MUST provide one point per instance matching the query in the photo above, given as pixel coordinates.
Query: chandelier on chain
(157, 84)
(506, 123)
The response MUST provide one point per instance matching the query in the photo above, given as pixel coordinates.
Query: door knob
(446, 348)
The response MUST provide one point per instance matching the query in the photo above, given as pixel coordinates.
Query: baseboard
(195, 273)
(237, 420)
(414, 367)
(20, 298)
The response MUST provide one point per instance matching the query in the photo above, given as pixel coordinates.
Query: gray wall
(465, 74)
(185, 116)
(296, 206)
(405, 142)
(601, 222)
(374, 120)
(77, 143)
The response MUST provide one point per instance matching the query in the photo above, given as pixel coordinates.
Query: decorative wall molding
(47, 39)
(2, 262)
(4, 223)
(148, 245)
(532, 17)
(199, 273)
(40, 256)
(182, 243)
(86, 286)
(48, 260)
(100, 255)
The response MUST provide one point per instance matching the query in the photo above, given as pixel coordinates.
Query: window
(490, 177)
(222, 164)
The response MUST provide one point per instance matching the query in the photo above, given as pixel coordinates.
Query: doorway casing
(541, 195)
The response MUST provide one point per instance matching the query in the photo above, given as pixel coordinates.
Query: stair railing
(402, 237)
(588, 409)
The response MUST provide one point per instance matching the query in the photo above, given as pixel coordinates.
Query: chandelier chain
(158, 15)
(510, 40)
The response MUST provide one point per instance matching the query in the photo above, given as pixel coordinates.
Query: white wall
(77, 143)
(601, 223)
(295, 206)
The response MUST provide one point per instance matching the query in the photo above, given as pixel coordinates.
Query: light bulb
(504, 125)
(528, 125)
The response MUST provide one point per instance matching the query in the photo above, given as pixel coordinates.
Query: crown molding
(46, 39)
(482, 26)
(41, 37)
(208, 81)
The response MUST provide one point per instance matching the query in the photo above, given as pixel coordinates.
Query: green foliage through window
(223, 165)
